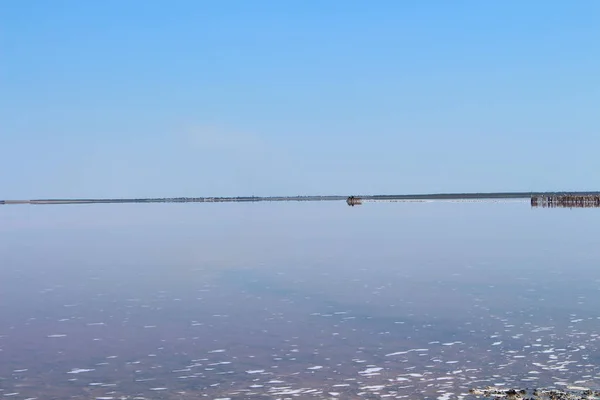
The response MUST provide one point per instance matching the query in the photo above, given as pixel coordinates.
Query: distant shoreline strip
(245, 199)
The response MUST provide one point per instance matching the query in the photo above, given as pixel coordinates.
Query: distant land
(350, 200)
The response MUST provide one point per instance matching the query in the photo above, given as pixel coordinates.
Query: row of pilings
(566, 201)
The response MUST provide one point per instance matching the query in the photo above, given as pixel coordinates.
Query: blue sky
(193, 98)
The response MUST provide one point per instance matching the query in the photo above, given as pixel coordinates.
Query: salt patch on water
(370, 370)
(547, 351)
(79, 371)
(289, 391)
(577, 388)
(406, 352)
(373, 387)
(543, 329)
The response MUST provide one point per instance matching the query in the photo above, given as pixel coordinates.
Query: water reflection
(308, 301)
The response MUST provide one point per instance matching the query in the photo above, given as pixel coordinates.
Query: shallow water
(313, 300)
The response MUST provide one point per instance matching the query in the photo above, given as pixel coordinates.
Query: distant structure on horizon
(566, 201)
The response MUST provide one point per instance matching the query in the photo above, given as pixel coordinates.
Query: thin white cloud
(223, 140)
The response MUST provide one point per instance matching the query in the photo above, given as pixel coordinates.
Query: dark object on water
(354, 201)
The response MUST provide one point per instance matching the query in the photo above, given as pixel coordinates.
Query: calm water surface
(319, 300)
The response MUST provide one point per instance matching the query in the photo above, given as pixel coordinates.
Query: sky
(224, 98)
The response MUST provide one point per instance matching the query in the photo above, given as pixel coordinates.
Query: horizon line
(224, 199)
